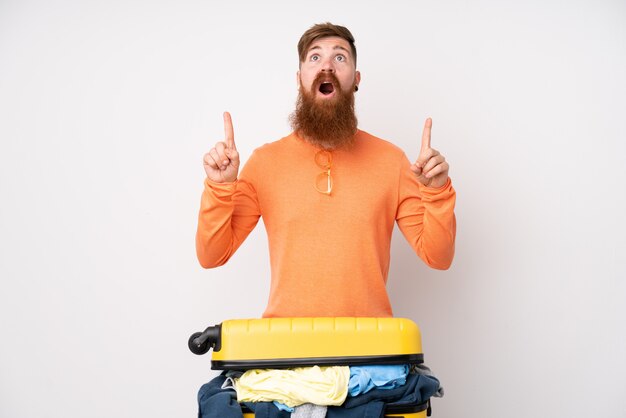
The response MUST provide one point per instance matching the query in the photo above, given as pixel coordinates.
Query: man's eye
(340, 58)
(315, 57)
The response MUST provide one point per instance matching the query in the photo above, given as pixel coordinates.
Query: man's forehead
(330, 42)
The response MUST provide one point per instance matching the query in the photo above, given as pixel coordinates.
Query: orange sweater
(329, 255)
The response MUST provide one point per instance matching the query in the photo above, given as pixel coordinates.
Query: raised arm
(426, 208)
(229, 208)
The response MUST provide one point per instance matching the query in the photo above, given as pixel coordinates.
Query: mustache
(324, 77)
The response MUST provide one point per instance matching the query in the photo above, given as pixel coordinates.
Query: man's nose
(327, 66)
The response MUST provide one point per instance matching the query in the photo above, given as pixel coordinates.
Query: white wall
(106, 109)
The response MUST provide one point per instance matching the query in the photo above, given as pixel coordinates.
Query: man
(329, 194)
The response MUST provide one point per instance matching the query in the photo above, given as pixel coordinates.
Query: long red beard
(329, 124)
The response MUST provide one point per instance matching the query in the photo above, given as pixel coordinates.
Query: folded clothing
(293, 387)
(365, 378)
(417, 390)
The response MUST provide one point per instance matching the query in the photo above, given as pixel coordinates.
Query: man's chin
(321, 97)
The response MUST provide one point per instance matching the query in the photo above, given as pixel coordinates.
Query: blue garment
(374, 409)
(215, 402)
(365, 378)
(283, 407)
(418, 389)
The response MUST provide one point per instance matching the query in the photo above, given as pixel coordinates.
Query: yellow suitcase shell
(289, 342)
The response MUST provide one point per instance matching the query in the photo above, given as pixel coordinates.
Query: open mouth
(326, 88)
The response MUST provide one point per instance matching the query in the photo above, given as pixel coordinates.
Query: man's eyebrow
(341, 47)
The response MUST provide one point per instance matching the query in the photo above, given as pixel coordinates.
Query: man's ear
(298, 79)
(357, 78)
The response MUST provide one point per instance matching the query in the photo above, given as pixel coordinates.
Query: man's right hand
(222, 162)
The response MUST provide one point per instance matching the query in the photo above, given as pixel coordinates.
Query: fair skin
(331, 54)
(430, 167)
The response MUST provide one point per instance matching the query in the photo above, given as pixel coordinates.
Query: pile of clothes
(317, 392)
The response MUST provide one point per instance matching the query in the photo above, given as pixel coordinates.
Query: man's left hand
(431, 167)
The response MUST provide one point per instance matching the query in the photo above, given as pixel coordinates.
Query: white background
(106, 109)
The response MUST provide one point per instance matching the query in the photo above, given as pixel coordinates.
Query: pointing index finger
(426, 134)
(229, 131)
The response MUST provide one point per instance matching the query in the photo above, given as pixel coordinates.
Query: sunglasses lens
(324, 182)
(323, 159)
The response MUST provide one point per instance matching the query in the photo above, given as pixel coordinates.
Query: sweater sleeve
(426, 218)
(228, 213)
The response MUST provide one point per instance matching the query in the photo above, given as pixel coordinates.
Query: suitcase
(295, 342)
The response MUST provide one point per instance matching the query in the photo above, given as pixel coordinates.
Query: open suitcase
(294, 342)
